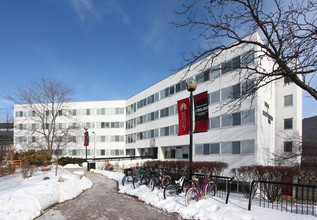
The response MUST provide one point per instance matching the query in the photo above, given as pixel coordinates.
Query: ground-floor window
(130, 152)
(179, 152)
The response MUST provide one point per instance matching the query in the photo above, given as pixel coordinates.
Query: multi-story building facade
(147, 122)
(6, 135)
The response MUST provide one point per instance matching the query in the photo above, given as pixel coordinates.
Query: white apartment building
(147, 122)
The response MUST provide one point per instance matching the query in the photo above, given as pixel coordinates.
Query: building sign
(201, 112)
(183, 116)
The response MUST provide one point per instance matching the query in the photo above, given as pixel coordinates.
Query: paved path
(103, 201)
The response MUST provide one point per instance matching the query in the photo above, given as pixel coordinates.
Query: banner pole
(191, 128)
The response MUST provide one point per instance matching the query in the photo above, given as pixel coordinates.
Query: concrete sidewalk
(103, 201)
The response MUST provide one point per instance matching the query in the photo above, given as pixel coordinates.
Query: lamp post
(94, 144)
(191, 86)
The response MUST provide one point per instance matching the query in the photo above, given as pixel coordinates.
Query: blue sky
(103, 49)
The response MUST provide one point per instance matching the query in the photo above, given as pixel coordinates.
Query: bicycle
(202, 187)
(159, 180)
(177, 187)
(129, 175)
(142, 178)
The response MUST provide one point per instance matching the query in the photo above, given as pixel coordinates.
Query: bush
(246, 174)
(32, 157)
(27, 169)
(176, 168)
(70, 160)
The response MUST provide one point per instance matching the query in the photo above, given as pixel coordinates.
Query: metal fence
(288, 197)
(223, 186)
(10, 167)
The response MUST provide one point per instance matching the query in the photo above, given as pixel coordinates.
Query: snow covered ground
(211, 208)
(26, 198)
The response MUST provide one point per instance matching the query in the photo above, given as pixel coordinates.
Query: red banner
(183, 116)
(86, 139)
(201, 112)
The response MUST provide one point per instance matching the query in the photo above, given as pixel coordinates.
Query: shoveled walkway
(103, 201)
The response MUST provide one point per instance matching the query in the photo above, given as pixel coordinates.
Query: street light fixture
(191, 87)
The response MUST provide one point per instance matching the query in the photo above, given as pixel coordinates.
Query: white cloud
(154, 37)
(88, 10)
(85, 9)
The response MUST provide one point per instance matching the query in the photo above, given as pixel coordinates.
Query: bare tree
(46, 103)
(288, 31)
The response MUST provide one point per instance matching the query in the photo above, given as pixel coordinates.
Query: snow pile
(211, 208)
(26, 198)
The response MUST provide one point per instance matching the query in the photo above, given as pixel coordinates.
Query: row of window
(154, 133)
(115, 124)
(223, 68)
(235, 147)
(214, 97)
(238, 118)
(176, 152)
(6, 125)
(73, 112)
(74, 139)
(165, 112)
(91, 152)
(235, 119)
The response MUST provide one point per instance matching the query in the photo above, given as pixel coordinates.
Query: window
(226, 120)
(247, 116)
(103, 125)
(226, 147)
(236, 91)
(214, 97)
(199, 149)
(102, 152)
(202, 77)
(215, 122)
(236, 119)
(247, 147)
(288, 146)
(130, 152)
(288, 100)
(215, 148)
(248, 87)
(206, 149)
(226, 67)
(288, 123)
(236, 62)
(87, 111)
(102, 138)
(171, 90)
(183, 85)
(247, 58)
(236, 147)
(226, 93)
(215, 72)
(178, 87)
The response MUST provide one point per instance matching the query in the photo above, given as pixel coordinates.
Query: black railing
(288, 197)
(223, 186)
